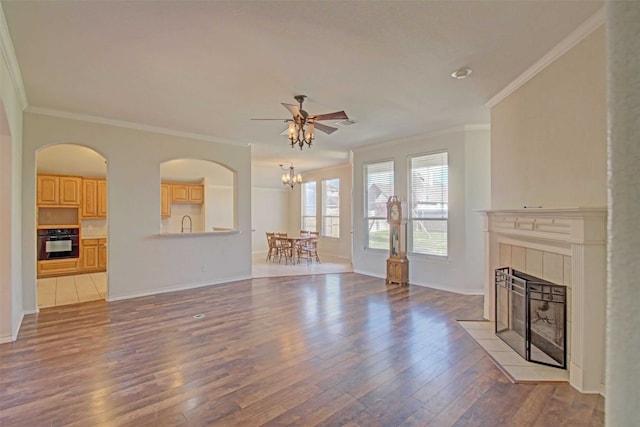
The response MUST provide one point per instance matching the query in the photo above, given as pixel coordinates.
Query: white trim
(9, 55)
(414, 138)
(576, 36)
(424, 285)
(130, 125)
(177, 288)
(14, 333)
(278, 189)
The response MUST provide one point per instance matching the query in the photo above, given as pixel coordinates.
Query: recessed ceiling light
(461, 73)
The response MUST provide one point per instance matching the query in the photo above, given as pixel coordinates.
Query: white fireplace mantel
(579, 236)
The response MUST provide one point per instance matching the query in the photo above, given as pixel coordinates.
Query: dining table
(289, 245)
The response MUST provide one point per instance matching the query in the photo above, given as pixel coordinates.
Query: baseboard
(425, 285)
(177, 288)
(14, 333)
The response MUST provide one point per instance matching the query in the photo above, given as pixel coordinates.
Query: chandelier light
(290, 178)
(301, 129)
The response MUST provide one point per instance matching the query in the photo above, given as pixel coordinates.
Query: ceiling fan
(302, 125)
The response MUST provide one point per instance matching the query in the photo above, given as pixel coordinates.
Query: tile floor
(510, 362)
(328, 264)
(64, 290)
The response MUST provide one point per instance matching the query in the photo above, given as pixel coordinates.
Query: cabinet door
(165, 200)
(102, 198)
(70, 190)
(47, 190)
(196, 193)
(57, 267)
(102, 254)
(89, 256)
(89, 195)
(179, 193)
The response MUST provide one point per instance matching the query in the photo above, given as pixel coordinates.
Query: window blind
(429, 201)
(378, 180)
(331, 207)
(309, 206)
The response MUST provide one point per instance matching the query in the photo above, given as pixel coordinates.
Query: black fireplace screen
(531, 316)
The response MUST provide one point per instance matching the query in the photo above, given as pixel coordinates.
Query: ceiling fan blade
(324, 128)
(293, 109)
(338, 115)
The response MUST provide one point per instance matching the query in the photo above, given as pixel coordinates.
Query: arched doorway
(71, 221)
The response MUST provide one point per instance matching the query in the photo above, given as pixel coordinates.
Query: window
(331, 207)
(429, 198)
(309, 206)
(378, 181)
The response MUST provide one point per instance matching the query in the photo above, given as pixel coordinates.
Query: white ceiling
(208, 67)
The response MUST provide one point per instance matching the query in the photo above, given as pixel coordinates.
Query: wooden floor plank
(337, 349)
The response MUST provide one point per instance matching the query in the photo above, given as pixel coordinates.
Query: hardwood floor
(330, 350)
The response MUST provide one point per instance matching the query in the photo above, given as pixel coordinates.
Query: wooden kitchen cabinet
(187, 193)
(196, 194)
(94, 198)
(165, 200)
(102, 254)
(57, 267)
(94, 254)
(47, 190)
(55, 190)
(102, 198)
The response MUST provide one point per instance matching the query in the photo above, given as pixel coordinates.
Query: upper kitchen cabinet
(94, 200)
(59, 190)
(165, 198)
(187, 193)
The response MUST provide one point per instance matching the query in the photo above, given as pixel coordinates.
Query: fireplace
(531, 316)
(564, 246)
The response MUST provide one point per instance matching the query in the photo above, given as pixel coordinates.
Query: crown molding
(414, 138)
(130, 125)
(9, 56)
(575, 37)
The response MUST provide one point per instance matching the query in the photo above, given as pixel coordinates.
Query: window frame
(315, 206)
(411, 218)
(383, 216)
(323, 214)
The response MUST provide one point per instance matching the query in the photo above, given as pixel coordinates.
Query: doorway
(71, 225)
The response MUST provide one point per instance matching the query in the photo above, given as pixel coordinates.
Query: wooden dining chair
(284, 247)
(271, 241)
(309, 250)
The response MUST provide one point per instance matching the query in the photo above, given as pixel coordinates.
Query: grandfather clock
(397, 264)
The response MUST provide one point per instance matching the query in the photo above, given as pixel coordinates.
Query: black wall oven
(58, 243)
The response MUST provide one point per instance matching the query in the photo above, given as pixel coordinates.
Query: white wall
(468, 154)
(140, 261)
(219, 201)
(11, 298)
(270, 214)
(548, 138)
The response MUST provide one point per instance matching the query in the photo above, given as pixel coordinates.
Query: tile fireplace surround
(566, 247)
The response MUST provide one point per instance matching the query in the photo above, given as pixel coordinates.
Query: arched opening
(198, 196)
(8, 304)
(71, 221)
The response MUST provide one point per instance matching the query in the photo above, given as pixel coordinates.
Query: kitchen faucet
(182, 228)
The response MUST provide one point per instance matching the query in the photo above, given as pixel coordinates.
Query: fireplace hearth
(531, 316)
